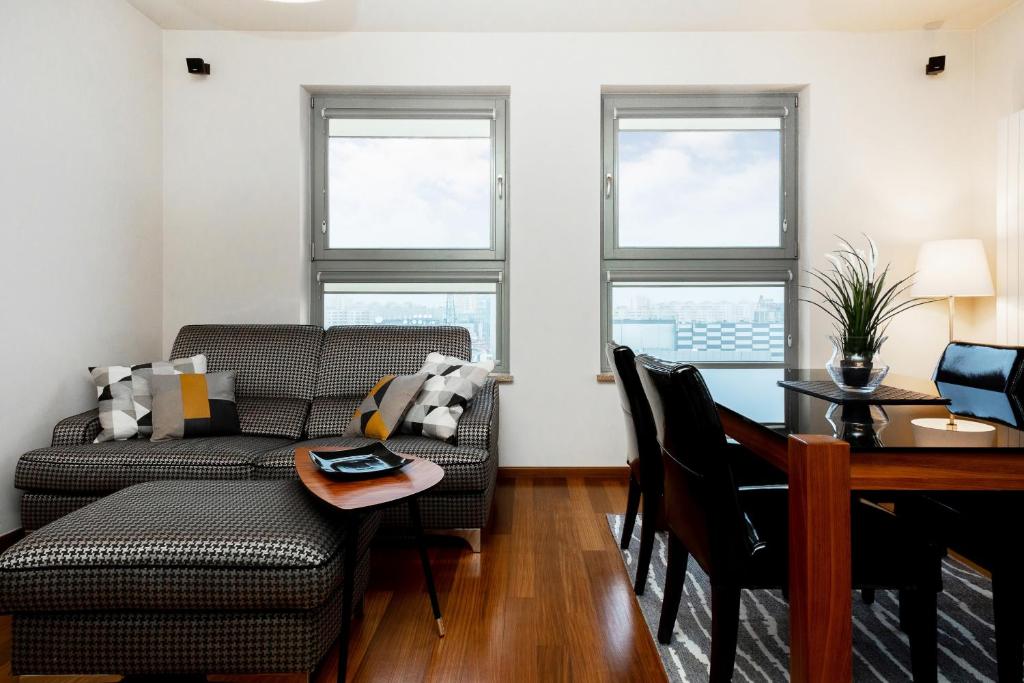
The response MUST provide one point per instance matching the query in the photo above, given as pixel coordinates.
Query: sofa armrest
(478, 427)
(77, 429)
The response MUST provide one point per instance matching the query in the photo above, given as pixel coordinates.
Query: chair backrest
(642, 449)
(701, 502)
(982, 366)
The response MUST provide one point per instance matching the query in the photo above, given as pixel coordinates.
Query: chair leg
(632, 506)
(647, 529)
(923, 633)
(1007, 602)
(725, 624)
(867, 596)
(904, 610)
(675, 579)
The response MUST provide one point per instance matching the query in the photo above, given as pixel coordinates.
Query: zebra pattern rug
(881, 651)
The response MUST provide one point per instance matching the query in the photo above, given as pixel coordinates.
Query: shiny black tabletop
(981, 419)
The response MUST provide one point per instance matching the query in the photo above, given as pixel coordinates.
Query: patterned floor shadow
(881, 651)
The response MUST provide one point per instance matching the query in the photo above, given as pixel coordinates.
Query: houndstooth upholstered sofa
(296, 384)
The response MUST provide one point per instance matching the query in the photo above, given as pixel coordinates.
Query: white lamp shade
(952, 268)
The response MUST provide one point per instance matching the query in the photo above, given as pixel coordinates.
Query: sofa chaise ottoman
(296, 385)
(182, 577)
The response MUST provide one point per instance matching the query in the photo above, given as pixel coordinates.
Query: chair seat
(885, 551)
(466, 470)
(110, 466)
(183, 545)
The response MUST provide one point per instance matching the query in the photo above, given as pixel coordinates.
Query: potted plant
(861, 303)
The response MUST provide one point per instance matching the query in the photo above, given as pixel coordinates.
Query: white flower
(873, 259)
(834, 260)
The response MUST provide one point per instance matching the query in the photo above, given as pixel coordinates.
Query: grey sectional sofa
(296, 384)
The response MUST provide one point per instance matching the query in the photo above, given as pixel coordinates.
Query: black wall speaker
(936, 65)
(197, 66)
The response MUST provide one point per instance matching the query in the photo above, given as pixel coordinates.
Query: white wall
(999, 92)
(885, 150)
(80, 210)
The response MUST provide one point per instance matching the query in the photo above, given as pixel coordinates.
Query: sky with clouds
(699, 188)
(411, 193)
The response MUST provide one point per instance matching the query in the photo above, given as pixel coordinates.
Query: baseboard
(562, 472)
(10, 538)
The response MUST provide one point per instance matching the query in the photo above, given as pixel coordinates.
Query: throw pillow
(191, 405)
(124, 396)
(143, 374)
(116, 407)
(381, 412)
(443, 399)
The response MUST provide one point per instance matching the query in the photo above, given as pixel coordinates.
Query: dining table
(830, 452)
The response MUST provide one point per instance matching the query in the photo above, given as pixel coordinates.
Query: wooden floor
(547, 599)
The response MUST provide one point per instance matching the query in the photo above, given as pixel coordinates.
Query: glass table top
(980, 419)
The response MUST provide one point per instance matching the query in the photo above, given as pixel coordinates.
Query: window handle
(501, 187)
(608, 185)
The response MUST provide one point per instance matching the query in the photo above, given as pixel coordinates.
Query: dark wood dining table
(826, 457)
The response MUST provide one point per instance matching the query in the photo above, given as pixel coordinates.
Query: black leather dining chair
(738, 534)
(643, 455)
(975, 524)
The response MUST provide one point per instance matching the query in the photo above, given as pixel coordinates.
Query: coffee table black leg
(417, 528)
(351, 539)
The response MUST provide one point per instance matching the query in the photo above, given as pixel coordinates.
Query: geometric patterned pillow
(442, 400)
(381, 412)
(125, 398)
(117, 409)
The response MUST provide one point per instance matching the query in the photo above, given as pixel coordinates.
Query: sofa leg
(470, 536)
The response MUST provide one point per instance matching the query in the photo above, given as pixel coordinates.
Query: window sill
(502, 378)
(605, 378)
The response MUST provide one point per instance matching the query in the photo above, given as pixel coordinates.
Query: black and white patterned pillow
(125, 399)
(116, 407)
(450, 385)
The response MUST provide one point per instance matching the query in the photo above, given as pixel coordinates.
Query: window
(699, 231)
(409, 199)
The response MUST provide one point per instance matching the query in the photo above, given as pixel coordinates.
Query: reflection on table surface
(980, 418)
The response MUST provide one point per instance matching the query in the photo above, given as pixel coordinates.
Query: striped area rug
(881, 651)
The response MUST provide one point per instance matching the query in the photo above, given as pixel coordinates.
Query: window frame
(411, 265)
(617, 107)
(326, 107)
(777, 264)
(430, 273)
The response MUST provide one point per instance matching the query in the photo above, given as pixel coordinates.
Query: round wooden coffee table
(356, 496)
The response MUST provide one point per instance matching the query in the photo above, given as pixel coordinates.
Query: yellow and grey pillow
(380, 413)
(191, 405)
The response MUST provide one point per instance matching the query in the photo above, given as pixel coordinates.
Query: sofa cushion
(354, 357)
(274, 363)
(204, 545)
(113, 465)
(465, 469)
(330, 415)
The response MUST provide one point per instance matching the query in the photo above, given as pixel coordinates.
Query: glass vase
(855, 372)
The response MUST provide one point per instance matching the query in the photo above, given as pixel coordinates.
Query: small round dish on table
(355, 496)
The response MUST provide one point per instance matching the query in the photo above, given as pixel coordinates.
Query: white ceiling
(571, 15)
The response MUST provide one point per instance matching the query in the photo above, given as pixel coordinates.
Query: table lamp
(952, 268)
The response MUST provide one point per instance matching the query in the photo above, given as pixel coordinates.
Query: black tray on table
(357, 463)
(883, 395)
